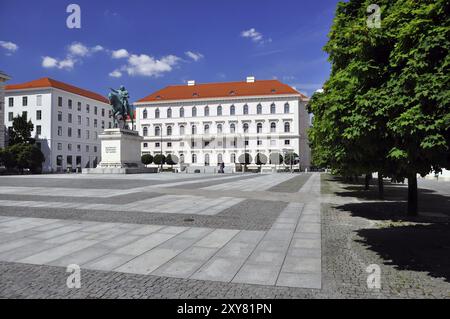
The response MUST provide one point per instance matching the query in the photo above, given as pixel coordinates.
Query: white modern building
(3, 78)
(67, 121)
(207, 124)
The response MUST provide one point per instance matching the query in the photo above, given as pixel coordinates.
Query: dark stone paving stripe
(40, 281)
(91, 182)
(216, 182)
(247, 215)
(292, 185)
(119, 200)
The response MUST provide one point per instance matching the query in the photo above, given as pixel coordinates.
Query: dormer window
(232, 92)
(195, 94)
(158, 97)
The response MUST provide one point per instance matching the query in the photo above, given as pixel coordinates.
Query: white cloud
(194, 55)
(9, 46)
(115, 74)
(49, 63)
(78, 49)
(97, 48)
(119, 54)
(146, 65)
(255, 36)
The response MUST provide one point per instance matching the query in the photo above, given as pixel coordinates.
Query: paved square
(261, 229)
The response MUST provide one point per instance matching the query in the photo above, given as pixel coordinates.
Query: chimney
(191, 83)
(250, 79)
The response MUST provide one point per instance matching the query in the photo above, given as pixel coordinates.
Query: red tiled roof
(216, 90)
(47, 82)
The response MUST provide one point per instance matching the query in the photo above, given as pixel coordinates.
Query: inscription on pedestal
(111, 149)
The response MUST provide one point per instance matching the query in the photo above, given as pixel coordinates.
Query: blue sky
(147, 45)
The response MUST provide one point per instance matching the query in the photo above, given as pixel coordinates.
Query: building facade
(67, 121)
(208, 124)
(3, 78)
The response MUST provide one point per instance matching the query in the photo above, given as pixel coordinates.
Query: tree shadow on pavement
(419, 243)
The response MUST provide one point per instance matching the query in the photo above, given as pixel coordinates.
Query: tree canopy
(385, 107)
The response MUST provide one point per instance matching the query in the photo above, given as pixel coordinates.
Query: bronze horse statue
(121, 108)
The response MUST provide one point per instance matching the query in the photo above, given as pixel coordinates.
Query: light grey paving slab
(108, 262)
(25, 251)
(149, 261)
(257, 274)
(51, 254)
(16, 243)
(236, 250)
(305, 252)
(195, 232)
(217, 238)
(219, 269)
(278, 235)
(81, 257)
(273, 245)
(303, 235)
(301, 265)
(194, 253)
(67, 237)
(146, 230)
(173, 230)
(308, 227)
(179, 268)
(142, 245)
(312, 281)
(119, 241)
(57, 232)
(265, 257)
(305, 243)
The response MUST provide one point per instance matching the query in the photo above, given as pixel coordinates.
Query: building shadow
(419, 243)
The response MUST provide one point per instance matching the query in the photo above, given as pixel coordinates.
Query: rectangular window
(169, 144)
(69, 147)
(78, 148)
(103, 124)
(59, 116)
(103, 112)
(87, 148)
(157, 144)
(79, 119)
(246, 142)
(287, 142)
(79, 133)
(79, 106)
(145, 145)
(38, 130)
(11, 101)
(59, 130)
(38, 115)
(259, 142)
(109, 125)
(69, 132)
(95, 149)
(10, 116)
(95, 110)
(69, 118)
(69, 102)
(95, 135)
(87, 134)
(95, 122)
(59, 146)
(39, 100)
(25, 114)
(87, 108)
(87, 121)
(24, 100)
(60, 101)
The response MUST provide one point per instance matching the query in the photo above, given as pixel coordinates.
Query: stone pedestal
(121, 153)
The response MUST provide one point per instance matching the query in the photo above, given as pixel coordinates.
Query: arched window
(245, 109)
(194, 158)
(169, 113)
(194, 129)
(206, 129)
(182, 112)
(287, 127)
(194, 111)
(144, 114)
(219, 128)
(181, 158)
(219, 158)
(232, 110)
(272, 108)
(206, 159)
(169, 130)
(259, 128)
(207, 111)
(273, 127)
(157, 130)
(157, 114)
(259, 109)
(145, 131)
(219, 110)
(233, 158)
(245, 127)
(182, 130)
(286, 108)
(232, 128)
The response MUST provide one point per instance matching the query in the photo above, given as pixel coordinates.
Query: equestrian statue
(121, 108)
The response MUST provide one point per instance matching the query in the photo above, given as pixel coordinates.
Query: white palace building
(207, 124)
(67, 121)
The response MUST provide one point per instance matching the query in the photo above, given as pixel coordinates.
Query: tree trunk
(412, 195)
(367, 181)
(380, 186)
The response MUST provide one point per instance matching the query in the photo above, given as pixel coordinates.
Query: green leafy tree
(146, 159)
(22, 156)
(21, 131)
(385, 107)
(159, 159)
(260, 160)
(171, 160)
